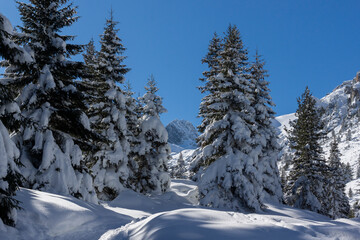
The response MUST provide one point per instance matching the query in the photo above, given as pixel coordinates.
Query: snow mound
(183, 193)
(51, 216)
(201, 223)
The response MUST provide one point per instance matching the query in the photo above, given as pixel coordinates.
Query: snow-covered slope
(174, 215)
(341, 115)
(182, 133)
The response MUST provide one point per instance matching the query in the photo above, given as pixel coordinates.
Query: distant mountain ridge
(182, 133)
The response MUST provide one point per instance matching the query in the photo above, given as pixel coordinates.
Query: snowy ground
(174, 215)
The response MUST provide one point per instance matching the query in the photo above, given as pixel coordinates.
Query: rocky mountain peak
(182, 133)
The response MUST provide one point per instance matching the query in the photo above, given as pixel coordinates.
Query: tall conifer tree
(338, 206)
(358, 168)
(10, 177)
(56, 129)
(133, 115)
(107, 112)
(229, 175)
(306, 186)
(266, 135)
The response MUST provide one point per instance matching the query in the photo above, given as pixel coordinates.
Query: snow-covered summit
(182, 133)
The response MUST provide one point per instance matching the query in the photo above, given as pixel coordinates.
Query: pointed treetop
(153, 103)
(234, 54)
(151, 85)
(111, 57)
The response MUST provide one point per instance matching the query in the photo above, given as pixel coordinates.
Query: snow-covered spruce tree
(153, 151)
(338, 202)
(107, 112)
(179, 169)
(266, 134)
(10, 177)
(350, 193)
(348, 174)
(306, 186)
(133, 114)
(229, 176)
(358, 169)
(56, 129)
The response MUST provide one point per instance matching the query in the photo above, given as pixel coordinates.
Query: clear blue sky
(304, 42)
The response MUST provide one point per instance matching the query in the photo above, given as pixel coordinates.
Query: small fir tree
(338, 206)
(153, 150)
(348, 173)
(348, 135)
(179, 170)
(358, 169)
(306, 186)
(350, 193)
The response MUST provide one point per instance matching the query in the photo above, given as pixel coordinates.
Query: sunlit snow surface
(174, 215)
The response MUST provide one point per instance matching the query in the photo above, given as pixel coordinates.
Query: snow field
(173, 215)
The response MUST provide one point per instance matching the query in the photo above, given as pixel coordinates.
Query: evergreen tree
(283, 178)
(358, 169)
(179, 170)
(266, 134)
(348, 135)
(228, 156)
(153, 150)
(348, 174)
(10, 177)
(338, 205)
(350, 193)
(56, 129)
(306, 186)
(107, 112)
(133, 114)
